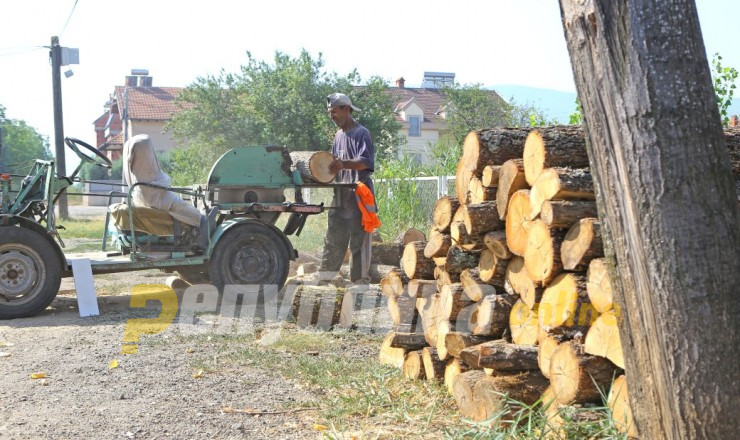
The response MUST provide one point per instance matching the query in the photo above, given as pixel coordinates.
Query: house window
(414, 126)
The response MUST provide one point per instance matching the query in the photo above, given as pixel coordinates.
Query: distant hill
(556, 104)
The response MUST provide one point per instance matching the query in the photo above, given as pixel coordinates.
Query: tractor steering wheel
(97, 158)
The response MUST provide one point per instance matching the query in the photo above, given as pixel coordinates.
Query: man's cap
(337, 99)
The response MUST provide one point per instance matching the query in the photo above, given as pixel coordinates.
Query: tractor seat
(147, 220)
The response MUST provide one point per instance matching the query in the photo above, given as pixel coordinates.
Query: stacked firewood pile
(510, 294)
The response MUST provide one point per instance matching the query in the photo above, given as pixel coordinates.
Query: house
(138, 107)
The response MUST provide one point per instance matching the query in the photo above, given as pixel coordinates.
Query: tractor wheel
(251, 253)
(30, 272)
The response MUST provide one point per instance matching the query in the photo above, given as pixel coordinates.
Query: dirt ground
(152, 394)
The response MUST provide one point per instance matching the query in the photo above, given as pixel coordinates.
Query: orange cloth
(366, 202)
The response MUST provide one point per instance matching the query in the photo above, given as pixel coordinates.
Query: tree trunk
(459, 259)
(523, 323)
(481, 218)
(599, 286)
(491, 316)
(555, 146)
(490, 175)
(511, 179)
(474, 287)
(492, 146)
(603, 339)
(581, 244)
(434, 367)
(619, 404)
(565, 304)
(667, 209)
(496, 242)
(501, 356)
(386, 254)
(413, 367)
(560, 184)
(415, 264)
(562, 214)
(517, 225)
(491, 393)
(444, 209)
(578, 377)
(520, 283)
(421, 288)
(408, 341)
(462, 391)
(313, 165)
(454, 368)
(438, 245)
(542, 256)
(479, 193)
(390, 355)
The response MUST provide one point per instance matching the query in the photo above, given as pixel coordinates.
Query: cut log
(462, 391)
(581, 244)
(413, 367)
(454, 368)
(444, 209)
(495, 394)
(481, 218)
(519, 282)
(415, 265)
(386, 254)
(492, 270)
(560, 184)
(459, 259)
(492, 146)
(462, 239)
(523, 323)
(478, 193)
(501, 356)
(390, 355)
(462, 182)
(421, 288)
(489, 177)
(439, 261)
(551, 410)
(317, 306)
(603, 339)
(438, 245)
(410, 235)
(517, 225)
(393, 282)
(434, 367)
(578, 377)
(565, 304)
(443, 328)
(430, 314)
(550, 340)
(402, 309)
(313, 165)
(442, 277)
(555, 146)
(491, 316)
(562, 214)
(455, 305)
(456, 342)
(619, 404)
(599, 285)
(474, 287)
(542, 256)
(511, 179)
(408, 341)
(496, 242)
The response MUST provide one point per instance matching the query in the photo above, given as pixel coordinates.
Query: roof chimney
(132, 81)
(400, 82)
(145, 81)
(734, 121)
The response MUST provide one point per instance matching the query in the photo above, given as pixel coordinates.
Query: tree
(22, 145)
(723, 79)
(667, 202)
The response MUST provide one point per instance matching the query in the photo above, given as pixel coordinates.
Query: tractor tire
(249, 254)
(30, 272)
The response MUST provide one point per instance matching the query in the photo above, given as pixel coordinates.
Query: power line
(18, 50)
(68, 18)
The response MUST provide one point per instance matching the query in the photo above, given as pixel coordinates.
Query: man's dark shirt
(356, 143)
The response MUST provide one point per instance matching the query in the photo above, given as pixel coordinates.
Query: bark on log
(489, 177)
(491, 316)
(517, 224)
(492, 270)
(438, 245)
(481, 218)
(442, 277)
(520, 283)
(386, 254)
(462, 239)
(455, 342)
(550, 340)
(560, 184)
(492, 146)
(511, 179)
(410, 235)
(478, 193)
(554, 146)
(582, 244)
(501, 356)
(317, 306)
(496, 242)
(390, 355)
(421, 288)
(413, 367)
(455, 305)
(434, 367)
(523, 323)
(408, 341)
(565, 304)
(562, 214)
(313, 165)
(402, 309)
(578, 377)
(619, 404)
(454, 368)
(542, 256)
(443, 211)
(462, 391)
(599, 286)
(415, 264)
(459, 259)
(603, 339)
(494, 394)
(392, 283)
(473, 286)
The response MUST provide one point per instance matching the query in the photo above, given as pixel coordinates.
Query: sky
(492, 42)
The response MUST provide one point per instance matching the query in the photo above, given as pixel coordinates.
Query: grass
(92, 228)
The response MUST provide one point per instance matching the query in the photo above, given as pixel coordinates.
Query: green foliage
(21, 145)
(723, 79)
(576, 117)
(94, 172)
(278, 103)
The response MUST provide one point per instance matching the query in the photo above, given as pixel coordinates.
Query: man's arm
(351, 164)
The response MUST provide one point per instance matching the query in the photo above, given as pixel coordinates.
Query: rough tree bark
(666, 199)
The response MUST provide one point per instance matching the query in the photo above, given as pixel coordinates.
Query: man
(355, 160)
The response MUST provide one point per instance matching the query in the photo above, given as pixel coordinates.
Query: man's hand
(336, 166)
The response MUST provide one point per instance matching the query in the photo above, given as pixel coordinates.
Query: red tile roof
(149, 103)
(430, 100)
(115, 143)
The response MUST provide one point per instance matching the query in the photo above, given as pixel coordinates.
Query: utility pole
(56, 81)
